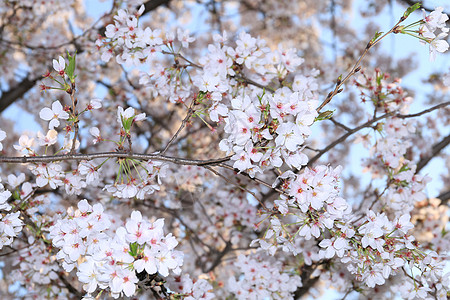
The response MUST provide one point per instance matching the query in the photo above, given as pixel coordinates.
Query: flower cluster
(384, 92)
(113, 260)
(404, 186)
(371, 247)
(10, 224)
(37, 265)
(387, 154)
(431, 23)
(383, 248)
(265, 131)
(199, 289)
(133, 43)
(261, 277)
(312, 208)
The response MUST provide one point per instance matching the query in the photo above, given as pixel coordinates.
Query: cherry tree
(164, 161)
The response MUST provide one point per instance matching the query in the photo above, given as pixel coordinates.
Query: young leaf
(70, 68)
(133, 249)
(324, 115)
(411, 9)
(375, 38)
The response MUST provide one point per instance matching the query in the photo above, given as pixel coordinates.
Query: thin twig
(252, 82)
(356, 67)
(235, 184)
(367, 124)
(183, 124)
(441, 105)
(242, 78)
(75, 114)
(339, 124)
(435, 149)
(175, 214)
(254, 179)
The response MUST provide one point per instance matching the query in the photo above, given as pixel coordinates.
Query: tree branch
(154, 4)
(444, 197)
(70, 287)
(339, 124)
(16, 92)
(435, 149)
(367, 124)
(69, 157)
(183, 124)
(307, 281)
(441, 105)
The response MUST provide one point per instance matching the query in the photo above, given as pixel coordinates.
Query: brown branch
(91, 156)
(368, 124)
(183, 124)
(235, 184)
(356, 67)
(307, 281)
(219, 257)
(154, 4)
(444, 197)
(435, 149)
(344, 137)
(254, 83)
(70, 287)
(254, 179)
(441, 105)
(16, 92)
(339, 124)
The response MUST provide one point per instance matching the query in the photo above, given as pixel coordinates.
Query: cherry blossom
(54, 114)
(59, 65)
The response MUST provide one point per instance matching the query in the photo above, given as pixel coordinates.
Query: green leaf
(324, 115)
(375, 38)
(411, 9)
(404, 168)
(133, 249)
(127, 124)
(70, 68)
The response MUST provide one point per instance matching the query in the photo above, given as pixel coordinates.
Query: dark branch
(16, 92)
(339, 124)
(368, 124)
(67, 157)
(154, 4)
(435, 149)
(70, 287)
(307, 281)
(444, 197)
